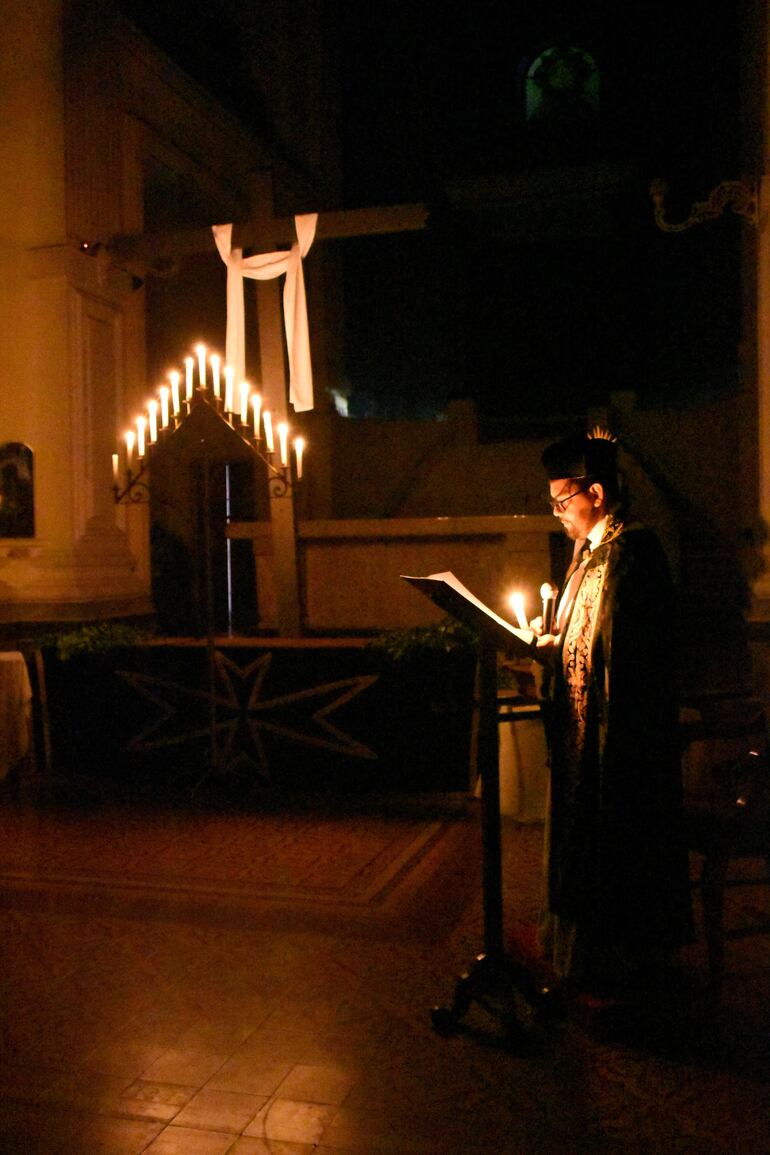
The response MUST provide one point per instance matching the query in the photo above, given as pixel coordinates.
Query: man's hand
(544, 648)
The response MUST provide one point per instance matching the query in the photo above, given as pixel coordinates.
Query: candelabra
(175, 401)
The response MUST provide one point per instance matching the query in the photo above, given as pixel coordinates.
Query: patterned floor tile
(318, 1084)
(186, 1141)
(220, 1110)
(278, 1029)
(291, 1121)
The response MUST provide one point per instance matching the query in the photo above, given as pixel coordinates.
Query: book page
(448, 592)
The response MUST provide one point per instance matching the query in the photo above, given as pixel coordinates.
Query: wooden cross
(265, 233)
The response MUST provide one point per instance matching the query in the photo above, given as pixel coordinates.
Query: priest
(616, 903)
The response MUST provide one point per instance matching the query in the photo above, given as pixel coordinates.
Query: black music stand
(496, 979)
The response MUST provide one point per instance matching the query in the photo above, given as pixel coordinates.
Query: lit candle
(115, 468)
(188, 378)
(256, 405)
(215, 362)
(267, 421)
(201, 351)
(245, 390)
(517, 605)
(141, 425)
(549, 595)
(229, 389)
(299, 449)
(283, 440)
(152, 412)
(164, 413)
(130, 439)
(174, 379)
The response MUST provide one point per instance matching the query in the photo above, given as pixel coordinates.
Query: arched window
(17, 498)
(561, 85)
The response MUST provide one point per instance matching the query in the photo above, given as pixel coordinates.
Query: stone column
(61, 356)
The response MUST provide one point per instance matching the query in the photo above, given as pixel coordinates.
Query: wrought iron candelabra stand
(134, 488)
(280, 479)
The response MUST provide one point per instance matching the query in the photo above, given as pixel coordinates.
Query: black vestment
(617, 870)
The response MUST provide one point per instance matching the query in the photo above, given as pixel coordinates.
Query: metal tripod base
(497, 982)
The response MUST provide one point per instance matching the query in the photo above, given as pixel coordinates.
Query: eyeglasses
(561, 502)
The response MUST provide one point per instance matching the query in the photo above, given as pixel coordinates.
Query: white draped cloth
(264, 267)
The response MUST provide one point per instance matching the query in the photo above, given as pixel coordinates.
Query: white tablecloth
(15, 710)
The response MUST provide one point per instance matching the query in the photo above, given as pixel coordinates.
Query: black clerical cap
(581, 455)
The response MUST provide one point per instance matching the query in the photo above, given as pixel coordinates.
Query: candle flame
(283, 440)
(267, 419)
(229, 389)
(516, 601)
(201, 354)
(152, 411)
(256, 404)
(164, 410)
(299, 449)
(245, 391)
(174, 379)
(215, 363)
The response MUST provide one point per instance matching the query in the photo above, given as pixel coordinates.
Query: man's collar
(596, 534)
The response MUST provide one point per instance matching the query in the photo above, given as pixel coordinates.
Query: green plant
(413, 645)
(93, 638)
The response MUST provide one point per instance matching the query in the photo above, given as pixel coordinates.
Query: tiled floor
(192, 982)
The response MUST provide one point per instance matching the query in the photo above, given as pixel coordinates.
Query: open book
(449, 593)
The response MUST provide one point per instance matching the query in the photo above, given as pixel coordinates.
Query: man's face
(577, 504)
